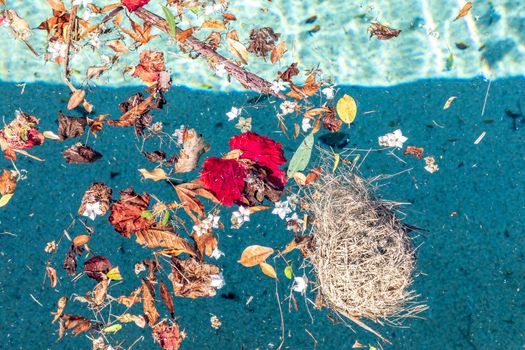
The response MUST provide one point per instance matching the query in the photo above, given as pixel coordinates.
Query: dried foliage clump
(363, 256)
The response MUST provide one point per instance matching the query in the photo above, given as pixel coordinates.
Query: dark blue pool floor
(471, 258)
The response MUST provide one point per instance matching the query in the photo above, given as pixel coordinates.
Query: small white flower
(328, 92)
(394, 139)
(200, 229)
(57, 49)
(278, 86)
(217, 281)
(300, 284)
(179, 134)
(220, 70)
(288, 107)
(282, 209)
(306, 124)
(233, 113)
(81, 3)
(139, 267)
(216, 253)
(431, 165)
(240, 216)
(293, 221)
(212, 221)
(92, 210)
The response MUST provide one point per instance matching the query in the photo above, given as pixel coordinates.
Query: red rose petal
(133, 5)
(224, 178)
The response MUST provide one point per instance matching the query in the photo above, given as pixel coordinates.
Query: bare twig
(247, 79)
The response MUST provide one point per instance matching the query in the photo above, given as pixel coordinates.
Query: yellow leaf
(155, 175)
(238, 50)
(51, 135)
(346, 109)
(213, 24)
(5, 199)
(113, 328)
(268, 270)
(114, 274)
(254, 255)
(337, 158)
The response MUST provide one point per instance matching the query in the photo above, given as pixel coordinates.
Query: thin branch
(247, 79)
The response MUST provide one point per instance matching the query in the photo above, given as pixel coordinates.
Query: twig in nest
(247, 79)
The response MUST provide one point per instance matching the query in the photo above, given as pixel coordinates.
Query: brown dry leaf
(81, 240)
(188, 201)
(464, 10)
(127, 213)
(414, 151)
(76, 99)
(254, 255)
(96, 200)
(238, 50)
(61, 305)
(52, 274)
(166, 298)
(148, 302)
(95, 125)
(289, 73)
(313, 175)
(164, 236)
(206, 243)
(129, 301)
(81, 154)
(100, 292)
(309, 88)
(382, 32)
(70, 127)
(262, 41)
(117, 46)
(134, 111)
(94, 72)
(185, 34)
(19, 27)
(8, 181)
(229, 17)
(213, 24)
(168, 336)
(193, 279)
(97, 267)
(268, 270)
(192, 149)
(57, 5)
(157, 174)
(331, 122)
(278, 51)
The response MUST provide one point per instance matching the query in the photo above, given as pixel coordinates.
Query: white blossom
(288, 107)
(306, 124)
(216, 253)
(278, 86)
(211, 222)
(240, 216)
(233, 113)
(328, 92)
(292, 221)
(431, 165)
(57, 49)
(92, 210)
(393, 139)
(282, 209)
(300, 284)
(217, 281)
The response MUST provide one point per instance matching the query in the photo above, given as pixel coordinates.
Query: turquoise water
(471, 263)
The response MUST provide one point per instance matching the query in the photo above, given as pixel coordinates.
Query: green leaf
(146, 214)
(346, 109)
(114, 274)
(288, 272)
(113, 328)
(166, 218)
(302, 156)
(171, 21)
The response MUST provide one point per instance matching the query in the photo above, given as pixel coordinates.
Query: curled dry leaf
(414, 151)
(150, 66)
(70, 261)
(155, 156)
(100, 292)
(382, 32)
(166, 298)
(213, 24)
(262, 41)
(96, 200)
(254, 255)
(80, 240)
(129, 301)
(97, 267)
(289, 73)
(127, 213)
(277, 52)
(193, 279)
(310, 88)
(193, 147)
(137, 319)
(206, 243)
(148, 302)
(52, 275)
(81, 154)
(61, 305)
(70, 126)
(8, 181)
(117, 46)
(157, 174)
(164, 236)
(76, 99)
(330, 122)
(167, 335)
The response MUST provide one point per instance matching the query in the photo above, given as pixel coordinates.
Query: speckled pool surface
(493, 33)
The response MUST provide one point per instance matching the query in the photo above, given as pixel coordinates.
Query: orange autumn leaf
(213, 24)
(464, 10)
(163, 236)
(148, 302)
(52, 274)
(76, 99)
(254, 255)
(277, 52)
(80, 240)
(268, 270)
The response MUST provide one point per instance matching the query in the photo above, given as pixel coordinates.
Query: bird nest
(363, 257)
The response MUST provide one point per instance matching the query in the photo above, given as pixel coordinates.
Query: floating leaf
(163, 236)
(113, 328)
(97, 267)
(76, 99)
(192, 148)
(157, 174)
(213, 24)
(165, 218)
(302, 156)
(277, 52)
(114, 274)
(166, 298)
(148, 302)
(268, 270)
(52, 274)
(5, 199)
(254, 255)
(449, 102)
(239, 50)
(346, 109)
(81, 240)
(288, 272)
(464, 10)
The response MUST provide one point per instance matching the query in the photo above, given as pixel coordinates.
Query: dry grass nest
(363, 255)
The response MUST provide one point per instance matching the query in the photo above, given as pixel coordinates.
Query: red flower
(224, 178)
(264, 151)
(133, 5)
